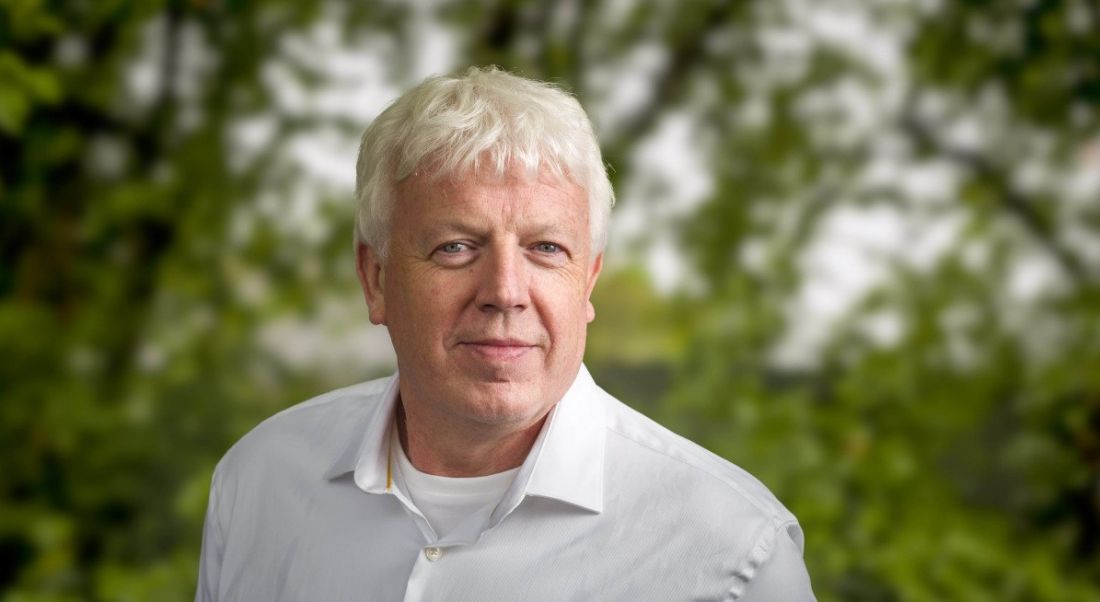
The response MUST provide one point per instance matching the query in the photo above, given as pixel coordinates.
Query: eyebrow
(452, 227)
(449, 228)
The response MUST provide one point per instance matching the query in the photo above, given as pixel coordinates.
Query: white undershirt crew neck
(447, 501)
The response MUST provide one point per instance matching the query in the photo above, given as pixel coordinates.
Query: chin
(504, 403)
(515, 372)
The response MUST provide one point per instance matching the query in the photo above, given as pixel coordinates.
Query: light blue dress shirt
(608, 505)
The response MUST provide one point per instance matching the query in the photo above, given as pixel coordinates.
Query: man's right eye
(454, 247)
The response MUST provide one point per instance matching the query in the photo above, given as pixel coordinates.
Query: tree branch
(1016, 204)
(669, 85)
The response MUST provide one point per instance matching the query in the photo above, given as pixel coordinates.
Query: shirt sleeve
(783, 576)
(213, 547)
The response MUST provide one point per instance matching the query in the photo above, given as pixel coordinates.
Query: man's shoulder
(690, 472)
(313, 430)
(333, 405)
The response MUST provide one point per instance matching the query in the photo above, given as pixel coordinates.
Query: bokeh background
(856, 251)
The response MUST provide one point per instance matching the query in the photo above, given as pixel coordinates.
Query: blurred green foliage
(143, 254)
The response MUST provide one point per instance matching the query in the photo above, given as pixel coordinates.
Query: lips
(499, 349)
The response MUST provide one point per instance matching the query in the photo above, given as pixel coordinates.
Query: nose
(503, 285)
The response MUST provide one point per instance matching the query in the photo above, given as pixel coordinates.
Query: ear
(372, 278)
(593, 275)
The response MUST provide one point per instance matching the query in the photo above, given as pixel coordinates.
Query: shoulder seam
(748, 566)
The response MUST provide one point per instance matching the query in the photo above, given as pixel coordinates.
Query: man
(491, 466)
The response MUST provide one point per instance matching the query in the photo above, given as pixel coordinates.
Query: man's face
(485, 293)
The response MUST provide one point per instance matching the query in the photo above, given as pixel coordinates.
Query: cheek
(438, 303)
(570, 307)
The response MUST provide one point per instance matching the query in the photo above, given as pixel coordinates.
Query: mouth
(499, 349)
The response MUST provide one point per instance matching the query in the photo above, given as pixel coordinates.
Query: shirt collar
(565, 463)
(368, 455)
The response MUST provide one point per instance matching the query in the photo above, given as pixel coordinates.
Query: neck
(469, 451)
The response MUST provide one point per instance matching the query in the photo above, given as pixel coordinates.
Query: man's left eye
(547, 247)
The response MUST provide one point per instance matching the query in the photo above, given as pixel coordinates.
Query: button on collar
(433, 553)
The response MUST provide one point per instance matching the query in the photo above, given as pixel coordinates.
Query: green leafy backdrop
(167, 247)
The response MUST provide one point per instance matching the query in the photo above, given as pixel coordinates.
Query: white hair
(485, 118)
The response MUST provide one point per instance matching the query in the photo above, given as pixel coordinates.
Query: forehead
(514, 191)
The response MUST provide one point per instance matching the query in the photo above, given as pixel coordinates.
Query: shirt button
(433, 553)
